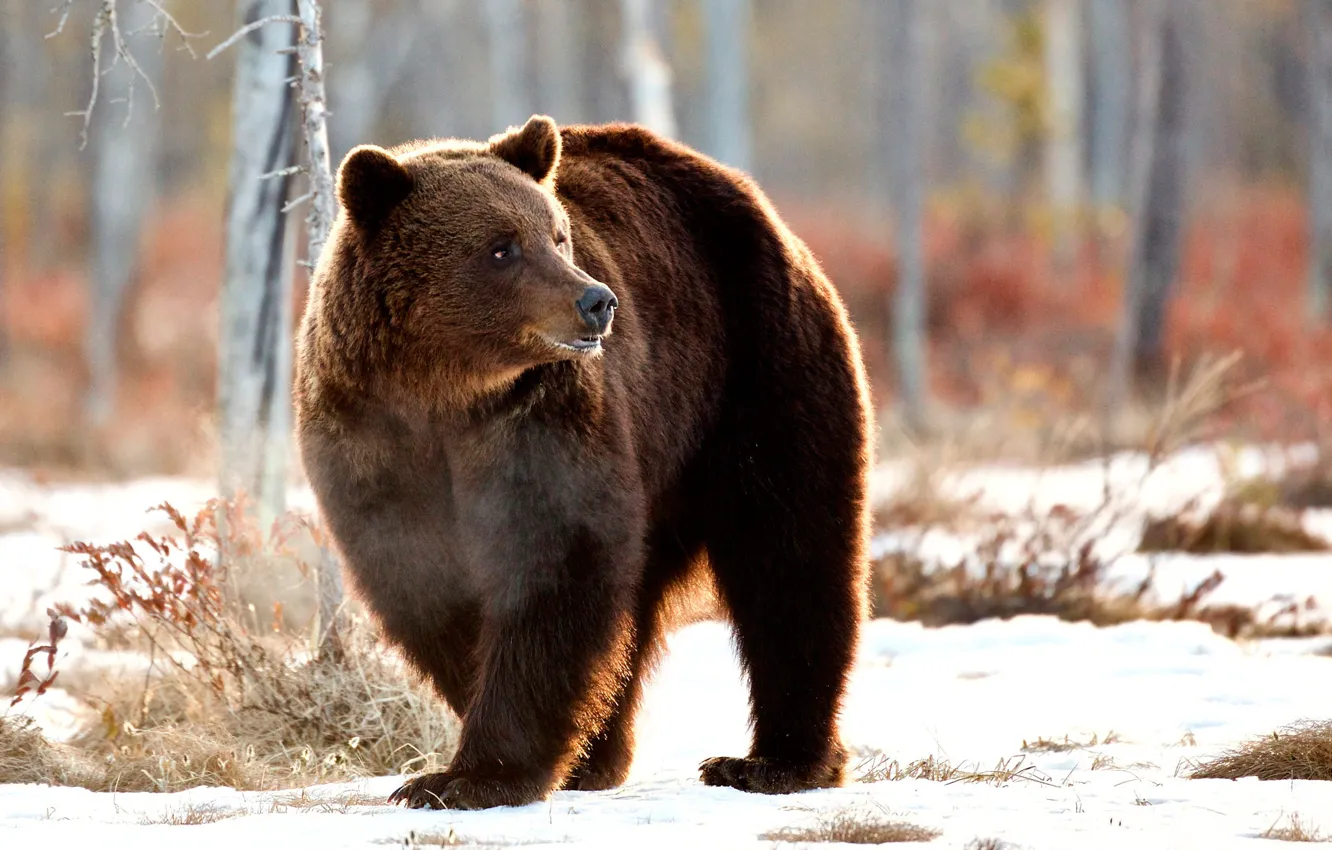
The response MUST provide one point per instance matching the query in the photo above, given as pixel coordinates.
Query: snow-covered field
(1170, 693)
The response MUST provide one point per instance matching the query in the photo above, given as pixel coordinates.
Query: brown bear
(546, 382)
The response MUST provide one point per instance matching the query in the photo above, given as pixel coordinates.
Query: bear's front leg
(553, 656)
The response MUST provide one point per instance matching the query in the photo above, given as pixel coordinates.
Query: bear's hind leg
(787, 549)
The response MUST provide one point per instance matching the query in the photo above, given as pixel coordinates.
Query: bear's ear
(370, 184)
(534, 149)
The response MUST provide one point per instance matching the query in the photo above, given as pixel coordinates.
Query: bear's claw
(761, 775)
(459, 791)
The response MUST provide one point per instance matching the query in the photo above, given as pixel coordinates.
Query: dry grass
(1235, 525)
(193, 816)
(229, 702)
(850, 826)
(26, 757)
(449, 839)
(1294, 829)
(1067, 744)
(1300, 751)
(880, 767)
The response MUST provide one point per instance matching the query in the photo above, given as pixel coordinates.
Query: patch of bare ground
(1299, 751)
(852, 826)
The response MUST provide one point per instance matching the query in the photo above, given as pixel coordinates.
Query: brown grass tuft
(229, 701)
(27, 757)
(849, 826)
(1294, 829)
(880, 767)
(193, 816)
(1233, 526)
(1067, 744)
(1299, 751)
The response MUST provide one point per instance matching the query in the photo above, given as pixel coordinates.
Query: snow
(1171, 694)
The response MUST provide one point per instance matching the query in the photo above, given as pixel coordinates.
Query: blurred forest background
(1033, 207)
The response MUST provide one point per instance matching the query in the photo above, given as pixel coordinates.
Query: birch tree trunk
(1318, 24)
(1063, 154)
(122, 189)
(376, 48)
(559, 89)
(728, 81)
(254, 347)
(1158, 160)
(645, 69)
(509, 102)
(1111, 48)
(318, 222)
(907, 34)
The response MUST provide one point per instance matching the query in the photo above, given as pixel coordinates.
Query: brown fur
(517, 513)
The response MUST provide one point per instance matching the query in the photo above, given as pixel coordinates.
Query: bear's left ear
(534, 149)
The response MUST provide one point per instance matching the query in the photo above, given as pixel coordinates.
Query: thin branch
(249, 28)
(165, 22)
(63, 11)
(283, 172)
(297, 201)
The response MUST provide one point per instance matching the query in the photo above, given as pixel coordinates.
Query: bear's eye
(505, 253)
(561, 238)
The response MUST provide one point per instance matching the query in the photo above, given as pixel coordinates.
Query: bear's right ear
(370, 184)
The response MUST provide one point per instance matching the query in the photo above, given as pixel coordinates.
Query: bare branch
(164, 22)
(297, 201)
(249, 28)
(106, 22)
(283, 172)
(63, 11)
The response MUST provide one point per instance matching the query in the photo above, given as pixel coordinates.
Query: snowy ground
(1170, 693)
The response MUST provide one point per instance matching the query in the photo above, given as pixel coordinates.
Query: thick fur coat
(543, 383)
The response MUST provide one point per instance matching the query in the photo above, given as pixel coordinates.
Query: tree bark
(1063, 153)
(1159, 157)
(559, 84)
(728, 24)
(1318, 20)
(505, 26)
(254, 347)
(645, 68)
(123, 187)
(908, 34)
(1110, 45)
(377, 48)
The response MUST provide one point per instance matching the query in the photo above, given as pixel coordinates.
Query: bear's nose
(596, 307)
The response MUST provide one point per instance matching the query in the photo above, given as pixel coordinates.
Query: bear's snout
(596, 307)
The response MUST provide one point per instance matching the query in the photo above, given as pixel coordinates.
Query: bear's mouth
(582, 345)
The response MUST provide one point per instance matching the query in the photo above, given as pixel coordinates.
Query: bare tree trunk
(1111, 49)
(1318, 20)
(728, 81)
(1159, 162)
(505, 26)
(1063, 154)
(375, 45)
(123, 188)
(645, 68)
(908, 34)
(254, 359)
(318, 222)
(559, 84)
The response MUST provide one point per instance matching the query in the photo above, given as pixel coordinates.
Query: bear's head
(452, 264)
